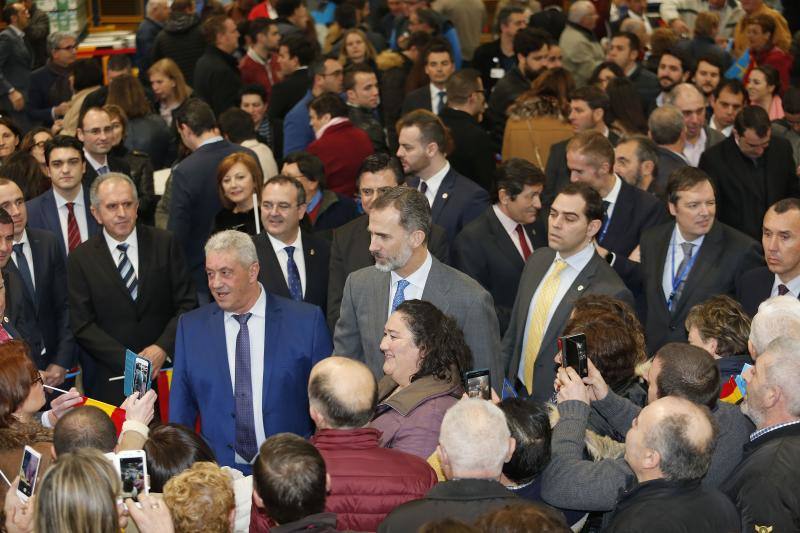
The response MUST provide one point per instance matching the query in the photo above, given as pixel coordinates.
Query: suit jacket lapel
(91, 223)
(50, 215)
(272, 347)
(620, 217)
(436, 286)
(566, 304)
(38, 264)
(216, 330)
(379, 313)
(530, 282)
(145, 244)
(274, 269)
(109, 263)
(706, 258)
(444, 192)
(313, 266)
(662, 248)
(503, 239)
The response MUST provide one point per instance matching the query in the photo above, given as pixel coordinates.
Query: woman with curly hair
(201, 499)
(722, 328)
(424, 356)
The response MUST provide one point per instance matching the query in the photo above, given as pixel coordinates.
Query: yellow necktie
(538, 320)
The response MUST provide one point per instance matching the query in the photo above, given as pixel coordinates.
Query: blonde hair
(200, 499)
(370, 50)
(79, 495)
(167, 67)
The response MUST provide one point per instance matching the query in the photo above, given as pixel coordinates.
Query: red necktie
(4, 335)
(523, 242)
(73, 233)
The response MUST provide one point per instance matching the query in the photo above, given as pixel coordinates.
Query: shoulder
(756, 276)
(733, 239)
(88, 251)
(292, 311)
(478, 228)
(367, 276)
(465, 184)
(657, 233)
(464, 285)
(191, 319)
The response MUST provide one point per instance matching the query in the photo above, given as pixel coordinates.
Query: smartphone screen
(141, 376)
(573, 353)
(132, 472)
(478, 384)
(28, 471)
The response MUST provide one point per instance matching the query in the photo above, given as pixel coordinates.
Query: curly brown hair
(200, 499)
(723, 319)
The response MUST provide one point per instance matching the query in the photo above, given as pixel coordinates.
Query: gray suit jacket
(365, 305)
(15, 65)
(596, 278)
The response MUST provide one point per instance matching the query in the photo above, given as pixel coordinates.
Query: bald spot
(349, 381)
(698, 426)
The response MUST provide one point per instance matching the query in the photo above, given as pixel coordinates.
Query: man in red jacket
(260, 63)
(367, 481)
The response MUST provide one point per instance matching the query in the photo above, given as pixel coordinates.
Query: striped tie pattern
(73, 233)
(125, 268)
(538, 320)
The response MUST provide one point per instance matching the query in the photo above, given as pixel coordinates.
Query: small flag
(730, 392)
(116, 414)
(164, 382)
(738, 69)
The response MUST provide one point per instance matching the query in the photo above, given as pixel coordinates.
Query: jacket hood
(389, 59)
(181, 22)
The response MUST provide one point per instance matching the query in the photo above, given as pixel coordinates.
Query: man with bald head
(342, 395)
(582, 51)
(692, 104)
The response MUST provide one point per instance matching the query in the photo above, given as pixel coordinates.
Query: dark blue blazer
(296, 339)
(754, 287)
(43, 214)
(459, 200)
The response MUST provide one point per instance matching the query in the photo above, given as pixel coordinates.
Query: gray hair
(666, 124)
(233, 241)
(55, 38)
(153, 4)
(646, 149)
(578, 10)
(682, 89)
(776, 317)
(94, 197)
(784, 371)
(475, 436)
(415, 211)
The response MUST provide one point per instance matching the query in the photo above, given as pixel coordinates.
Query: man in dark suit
(242, 363)
(64, 209)
(94, 131)
(624, 50)
(454, 199)
(195, 198)
(350, 248)
(494, 59)
(685, 262)
(439, 66)
(552, 280)
(405, 270)
(472, 155)
(216, 75)
(127, 287)
(781, 242)
(39, 263)
(292, 263)
(668, 131)
(551, 18)
(16, 62)
(50, 90)
(751, 170)
(493, 248)
(294, 56)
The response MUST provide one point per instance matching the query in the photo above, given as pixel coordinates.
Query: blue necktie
(295, 286)
(102, 170)
(246, 445)
(399, 295)
(442, 100)
(125, 268)
(24, 270)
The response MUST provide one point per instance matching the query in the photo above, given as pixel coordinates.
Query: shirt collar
(131, 240)
(579, 260)
(24, 238)
(278, 245)
(419, 276)
(725, 131)
(333, 122)
(614, 193)
(701, 140)
(793, 285)
(214, 139)
(508, 223)
(18, 32)
(61, 201)
(761, 432)
(259, 308)
(678, 238)
(94, 162)
(435, 91)
(436, 180)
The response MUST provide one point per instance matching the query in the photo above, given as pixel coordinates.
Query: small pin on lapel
(5, 319)
(580, 288)
(444, 196)
(311, 251)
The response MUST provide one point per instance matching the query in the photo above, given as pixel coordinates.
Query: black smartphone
(573, 353)
(478, 384)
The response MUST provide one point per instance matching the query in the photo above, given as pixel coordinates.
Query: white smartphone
(28, 472)
(132, 467)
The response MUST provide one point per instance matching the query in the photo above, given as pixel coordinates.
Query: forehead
(689, 99)
(95, 117)
(223, 259)
(396, 323)
(627, 150)
(279, 191)
(381, 178)
(9, 191)
(363, 78)
(237, 168)
(117, 189)
(384, 219)
(728, 95)
(438, 57)
(66, 41)
(332, 64)
(292, 170)
(252, 98)
(752, 137)
(788, 220)
(620, 40)
(570, 203)
(579, 104)
(669, 61)
(706, 66)
(353, 38)
(701, 191)
(64, 153)
(410, 135)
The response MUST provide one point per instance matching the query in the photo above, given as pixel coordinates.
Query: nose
(373, 245)
(384, 343)
(771, 242)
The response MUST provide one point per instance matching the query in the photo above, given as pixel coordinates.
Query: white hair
(475, 436)
(94, 194)
(234, 241)
(578, 10)
(776, 317)
(153, 4)
(784, 370)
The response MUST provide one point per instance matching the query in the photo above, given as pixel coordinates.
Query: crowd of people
(319, 222)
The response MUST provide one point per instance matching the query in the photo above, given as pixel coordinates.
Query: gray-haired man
(50, 91)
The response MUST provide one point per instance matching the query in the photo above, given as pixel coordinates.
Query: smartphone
(478, 384)
(28, 472)
(141, 376)
(573, 353)
(132, 467)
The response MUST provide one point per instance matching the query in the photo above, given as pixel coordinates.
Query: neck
(786, 277)
(23, 417)
(630, 68)
(774, 417)
(764, 101)
(475, 474)
(717, 125)
(67, 194)
(250, 301)
(261, 51)
(418, 257)
(244, 206)
(288, 237)
(439, 86)
(506, 44)
(203, 137)
(694, 138)
(100, 158)
(686, 235)
(170, 100)
(565, 254)
(436, 164)
(676, 147)
(601, 127)
(608, 184)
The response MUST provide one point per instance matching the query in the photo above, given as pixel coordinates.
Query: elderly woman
(425, 355)
(760, 31)
(201, 499)
(721, 327)
(238, 178)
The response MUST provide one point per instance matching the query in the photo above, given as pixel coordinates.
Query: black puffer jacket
(182, 41)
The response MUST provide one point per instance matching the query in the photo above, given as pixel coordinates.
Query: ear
(79, 133)
(431, 149)
(417, 238)
(95, 215)
(503, 196)
(597, 115)
(302, 210)
(751, 349)
(593, 228)
(445, 462)
(712, 344)
(647, 168)
(315, 416)
(512, 445)
(651, 459)
(253, 272)
(672, 209)
(686, 75)
(327, 482)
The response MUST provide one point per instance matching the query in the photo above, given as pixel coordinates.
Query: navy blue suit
(296, 338)
(754, 287)
(43, 214)
(459, 200)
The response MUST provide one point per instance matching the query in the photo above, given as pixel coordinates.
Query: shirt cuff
(46, 420)
(134, 425)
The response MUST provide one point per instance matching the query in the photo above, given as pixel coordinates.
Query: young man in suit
(16, 63)
(685, 262)
(295, 54)
(439, 66)
(127, 287)
(399, 224)
(454, 199)
(551, 282)
(64, 209)
(242, 362)
(39, 263)
(493, 248)
(292, 263)
(94, 131)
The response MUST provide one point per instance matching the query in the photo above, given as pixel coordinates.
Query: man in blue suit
(242, 363)
(454, 199)
(64, 209)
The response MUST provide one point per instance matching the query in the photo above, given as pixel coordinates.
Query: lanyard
(679, 277)
(604, 229)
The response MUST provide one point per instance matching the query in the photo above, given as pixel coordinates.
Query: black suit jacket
(20, 318)
(316, 254)
(350, 252)
(418, 99)
(287, 93)
(551, 20)
(115, 164)
(472, 156)
(668, 162)
(743, 193)
(723, 257)
(754, 287)
(104, 318)
(634, 211)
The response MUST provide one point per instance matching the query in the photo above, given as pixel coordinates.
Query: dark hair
(732, 85)
(282, 179)
(625, 106)
(554, 85)
(62, 141)
(782, 206)
(237, 125)
(594, 97)
(688, 372)
(345, 15)
(594, 203)
(328, 103)
(24, 170)
(17, 370)
(414, 209)
(285, 8)
(438, 45)
(599, 306)
(429, 17)
(712, 60)
(379, 162)
(528, 40)
(771, 75)
(119, 62)
(447, 525)
(289, 476)
(84, 427)
(254, 88)
(610, 345)
(752, 117)
(445, 354)
(340, 414)
(8, 123)
(300, 47)
(9, 11)
(523, 517)
(505, 13)
(683, 179)
(633, 40)
(310, 166)
(529, 424)
(350, 71)
(213, 26)
(86, 73)
(461, 85)
(258, 26)
(513, 175)
(127, 93)
(419, 40)
(430, 126)
(170, 449)
(196, 115)
(594, 79)
(646, 149)
(791, 100)
(721, 318)
(685, 59)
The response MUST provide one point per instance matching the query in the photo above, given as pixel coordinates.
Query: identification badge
(497, 73)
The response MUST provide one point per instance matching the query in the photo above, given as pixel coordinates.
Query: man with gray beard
(399, 227)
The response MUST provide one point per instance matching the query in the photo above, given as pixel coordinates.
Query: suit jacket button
(673, 328)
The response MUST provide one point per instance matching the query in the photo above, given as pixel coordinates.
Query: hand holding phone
(132, 468)
(478, 384)
(28, 473)
(573, 353)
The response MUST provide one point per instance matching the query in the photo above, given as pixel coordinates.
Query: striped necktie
(125, 268)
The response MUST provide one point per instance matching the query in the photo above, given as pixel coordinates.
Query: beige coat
(580, 54)
(530, 135)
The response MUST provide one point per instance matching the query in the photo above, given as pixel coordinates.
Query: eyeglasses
(70, 47)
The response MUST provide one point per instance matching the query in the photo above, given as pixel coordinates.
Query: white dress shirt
(612, 196)
(416, 283)
(132, 251)
(94, 162)
(435, 97)
(674, 258)
(434, 182)
(256, 327)
(81, 211)
(575, 264)
(510, 226)
(693, 151)
(793, 285)
(725, 131)
(26, 251)
(283, 258)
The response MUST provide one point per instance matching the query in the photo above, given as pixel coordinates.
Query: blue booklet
(137, 374)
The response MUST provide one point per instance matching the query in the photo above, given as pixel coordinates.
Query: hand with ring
(153, 517)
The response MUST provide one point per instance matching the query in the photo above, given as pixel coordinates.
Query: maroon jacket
(342, 148)
(367, 481)
(255, 73)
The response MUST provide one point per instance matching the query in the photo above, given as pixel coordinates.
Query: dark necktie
(523, 242)
(687, 256)
(125, 268)
(102, 170)
(73, 232)
(24, 270)
(606, 205)
(4, 335)
(246, 446)
(423, 186)
(442, 101)
(295, 285)
(782, 289)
